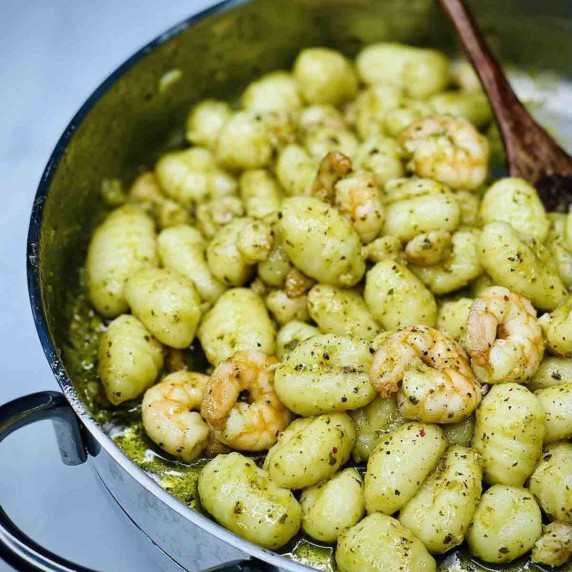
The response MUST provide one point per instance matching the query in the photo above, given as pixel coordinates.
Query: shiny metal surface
(128, 121)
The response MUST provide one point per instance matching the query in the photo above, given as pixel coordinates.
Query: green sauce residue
(123, 424)
(310, 554)
(178, 478)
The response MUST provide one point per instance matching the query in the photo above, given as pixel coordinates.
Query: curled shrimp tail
(333, 167)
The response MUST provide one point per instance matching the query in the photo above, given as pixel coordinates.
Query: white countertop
(52, 56)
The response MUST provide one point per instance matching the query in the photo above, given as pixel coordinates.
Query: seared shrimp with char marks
(504, 338)
(168, 416)
(430, 373)
(358, 198)
(333, 167)
(447, 149)
(251, 425)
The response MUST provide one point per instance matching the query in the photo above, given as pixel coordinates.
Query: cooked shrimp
(168, 416)
(358, 198)
(214, 447)
(245, 426)
(297, 283)
(504, 338)
(447, 149)
(333, 167)
(430, 373)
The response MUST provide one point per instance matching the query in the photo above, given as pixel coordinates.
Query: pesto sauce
(123, 424)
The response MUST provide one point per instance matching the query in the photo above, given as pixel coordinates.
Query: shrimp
(297, 283)
(358, 198)
(430, 373)
(246, 426)
(447, 149)
(168, 416)
(504, 338)
(333, 167)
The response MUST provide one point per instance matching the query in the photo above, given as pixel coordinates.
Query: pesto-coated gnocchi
(509, 431)
(285, 309)
(381, 156)
(226, 262)
(295, 170)
(420, 72)
(557, 404)
(560, 246)
(292, 334)
(460, 433)
(325, 373)
(414, 206)
(130, 359)
(452, 318)
(459, 267)
(379, 543)
(557, 328)
(311, 450)
(472, 106)
(205, 122)
(341, 312)
(260, 192)
(124, 244)
(167, 303)
(325, 76)
(359, 285)
(244, 499)
(506, 524)
(373, 422)
(238, 321)
(441, 511)
(244, 142)
(274, 91)
(331, 507)
(515, 202)
(192, 176)
(397, 298)
(510, 262)
(321, 242)
(182, 249)
(399, 464)
(551, 481)
(552, 371)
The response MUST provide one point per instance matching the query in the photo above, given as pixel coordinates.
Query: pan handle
(17, 548)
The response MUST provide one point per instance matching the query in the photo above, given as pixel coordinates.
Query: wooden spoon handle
(531, 152)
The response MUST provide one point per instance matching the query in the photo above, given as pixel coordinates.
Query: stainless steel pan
(122, 125)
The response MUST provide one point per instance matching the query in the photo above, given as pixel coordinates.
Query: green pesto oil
(123, 424)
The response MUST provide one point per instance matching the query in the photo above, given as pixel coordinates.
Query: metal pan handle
(17, 548)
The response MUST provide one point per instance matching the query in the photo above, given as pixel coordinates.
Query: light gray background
(53, 54)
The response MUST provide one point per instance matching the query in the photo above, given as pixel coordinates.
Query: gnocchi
(506, 524)
(130, 359)
(324, 374)
(124, 244)
(244, 499)
(324, 269)
(509, 432)
(441, 511)
(399, 464)
(311, 450)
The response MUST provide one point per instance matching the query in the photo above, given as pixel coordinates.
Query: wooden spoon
(531, 153)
